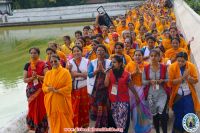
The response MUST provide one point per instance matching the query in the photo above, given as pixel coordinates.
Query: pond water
(14, 45)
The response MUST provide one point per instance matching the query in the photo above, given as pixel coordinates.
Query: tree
(194, 4)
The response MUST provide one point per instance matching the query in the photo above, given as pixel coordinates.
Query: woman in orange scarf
(57, 88)
(171, 53)
(184, 99)
(33, 75)
(127, 47)
(141, 115)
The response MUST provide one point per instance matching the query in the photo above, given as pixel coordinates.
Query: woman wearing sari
(96, 88)
(80, 99)
(141, 115)
(184, 99)
(57, 88)
(33, 75)
(117, 80)
(171, 53)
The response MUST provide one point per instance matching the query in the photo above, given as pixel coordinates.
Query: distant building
(5, 7)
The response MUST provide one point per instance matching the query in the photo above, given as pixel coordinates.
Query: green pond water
(14, 45)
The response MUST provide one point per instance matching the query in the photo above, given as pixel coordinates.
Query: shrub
(194, 4)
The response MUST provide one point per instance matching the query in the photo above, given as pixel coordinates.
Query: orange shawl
(58, 104)
(171, 53)
(174, 73)
(131, 68)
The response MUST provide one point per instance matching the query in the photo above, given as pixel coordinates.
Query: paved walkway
(92, 124)
(185, 19)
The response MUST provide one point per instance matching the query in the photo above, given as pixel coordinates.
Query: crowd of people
(134, 70)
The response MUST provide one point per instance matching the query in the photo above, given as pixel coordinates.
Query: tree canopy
(194, 4)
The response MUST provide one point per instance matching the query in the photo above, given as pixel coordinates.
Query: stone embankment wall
(65, 14)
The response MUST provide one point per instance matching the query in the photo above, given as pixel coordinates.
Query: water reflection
(14, 45)
(15, 42)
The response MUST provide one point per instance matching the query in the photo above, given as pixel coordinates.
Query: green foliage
(25, 4)
(194, 4)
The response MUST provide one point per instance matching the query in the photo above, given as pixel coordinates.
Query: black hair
(138, 50)
(154, 51)
(141, 18)
(36, 49)
(50, 49)
(82, 39)
(99, 35)
(120, 44)
(176, 38)
(173, 27)
(166, 30)
(54, 44)
(147, 34)
(102, 46)
(118, 72)
(68, 37)
(154, 31)
(130, 23)
(142, 26)
(93, 37)
(152, 38)
(76, 46)
(55, 56)
(78, 32)
(118, 58)
(94, 40)
(86, 27)
(183, 55)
